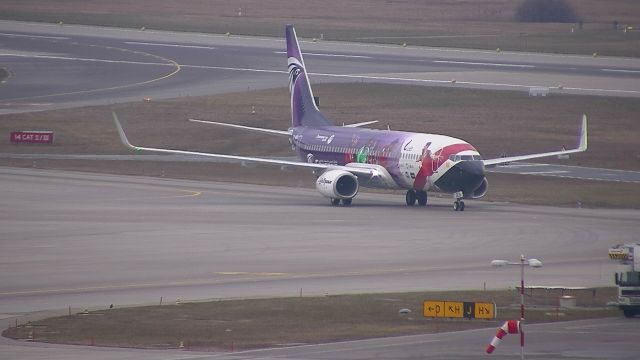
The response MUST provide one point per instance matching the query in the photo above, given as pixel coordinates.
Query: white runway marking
(329, 55)
(85, 59)
(35, 36)
(622, 71)
(170, 45)
(482, 64)
(543, 172)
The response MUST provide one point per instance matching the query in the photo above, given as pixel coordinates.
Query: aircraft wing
(363, 172)
(582, 146)
(256, 129)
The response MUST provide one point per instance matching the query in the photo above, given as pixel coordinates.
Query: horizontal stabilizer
(361, 124)
(260, 130)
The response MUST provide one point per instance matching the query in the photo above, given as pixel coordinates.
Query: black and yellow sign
(485, 310)
(459, 309)
(433, 308)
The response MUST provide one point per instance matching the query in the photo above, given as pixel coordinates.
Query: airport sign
(459, 309)
(33, 137)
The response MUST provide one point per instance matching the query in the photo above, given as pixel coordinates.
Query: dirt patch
(487, 24)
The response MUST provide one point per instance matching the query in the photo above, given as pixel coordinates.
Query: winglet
(123, 136)
(583, 134)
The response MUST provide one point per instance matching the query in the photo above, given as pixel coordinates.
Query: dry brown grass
(494, 121)
(256, 323)
(414, 22)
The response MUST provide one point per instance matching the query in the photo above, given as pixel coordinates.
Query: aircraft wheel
(422, 197)
(456, 205)
(411, 197)
(347, 202)
(461, 206)
(335, 202)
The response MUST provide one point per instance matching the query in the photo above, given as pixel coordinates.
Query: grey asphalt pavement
(75, 239)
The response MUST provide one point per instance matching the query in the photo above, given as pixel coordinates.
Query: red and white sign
(33, 137)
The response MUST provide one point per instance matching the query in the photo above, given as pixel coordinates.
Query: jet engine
(337, 184)
(480, 191)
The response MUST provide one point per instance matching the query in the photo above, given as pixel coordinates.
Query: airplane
(349, 156)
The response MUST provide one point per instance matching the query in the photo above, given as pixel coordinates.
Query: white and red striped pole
(521, 325)
(535, 263)
(509, 327)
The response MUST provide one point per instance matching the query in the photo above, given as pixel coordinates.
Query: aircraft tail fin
(304, 111)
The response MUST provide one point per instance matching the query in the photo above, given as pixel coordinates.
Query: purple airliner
(347, 157)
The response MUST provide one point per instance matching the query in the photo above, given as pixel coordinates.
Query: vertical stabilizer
(304, 111)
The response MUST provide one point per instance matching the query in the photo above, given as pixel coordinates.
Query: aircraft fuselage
(413, 160)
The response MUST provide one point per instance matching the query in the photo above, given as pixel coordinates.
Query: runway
(67, 66)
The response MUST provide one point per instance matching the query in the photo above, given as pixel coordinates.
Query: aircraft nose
(472, 167)
(465, 176)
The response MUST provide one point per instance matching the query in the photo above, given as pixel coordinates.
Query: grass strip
(224, 325)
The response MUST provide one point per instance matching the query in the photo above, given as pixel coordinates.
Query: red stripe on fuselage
(431, 163)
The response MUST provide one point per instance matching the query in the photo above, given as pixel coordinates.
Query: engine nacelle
(337, 184)
(480, 191)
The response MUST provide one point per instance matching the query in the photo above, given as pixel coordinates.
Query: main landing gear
(413, 196)
(458, 204)
(345, 202)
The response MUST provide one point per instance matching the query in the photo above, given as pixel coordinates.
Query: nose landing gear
(458, 204)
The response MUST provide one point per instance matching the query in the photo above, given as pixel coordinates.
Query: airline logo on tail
(295, 69)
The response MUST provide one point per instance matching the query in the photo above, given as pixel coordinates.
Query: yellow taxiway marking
(177, 67)
(189, 193)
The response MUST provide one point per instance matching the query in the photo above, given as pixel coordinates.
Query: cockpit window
(464, 157)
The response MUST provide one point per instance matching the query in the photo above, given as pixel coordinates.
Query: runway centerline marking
(170, 45)
(482, 64)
